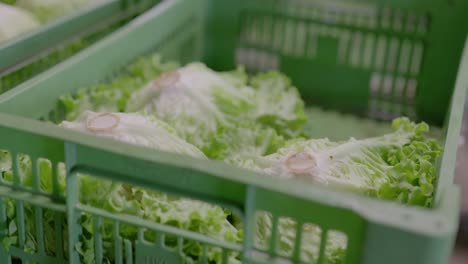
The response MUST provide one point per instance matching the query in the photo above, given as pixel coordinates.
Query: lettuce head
(397, 166)
(223, 113)
(15, 22)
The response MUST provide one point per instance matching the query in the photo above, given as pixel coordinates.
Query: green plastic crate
(219, 32)
(25, 56)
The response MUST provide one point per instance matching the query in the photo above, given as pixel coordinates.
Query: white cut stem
(167, 79)
(104, 122)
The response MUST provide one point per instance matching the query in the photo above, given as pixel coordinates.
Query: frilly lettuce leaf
(397, 166)
(10, 2)
(133, 128)
(278, 104)
(195, 100)
(119, 198)
(159, 207)
(162, 208)
(310, 240)
(220, 112)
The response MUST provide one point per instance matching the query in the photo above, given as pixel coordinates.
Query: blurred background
(460, 255)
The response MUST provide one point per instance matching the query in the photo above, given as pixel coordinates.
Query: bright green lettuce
(255, 122)
(241, 139)
(223, 113)
(397, 166)
(112, 96)
(195, 100)
(48, 217)
(278, 104)
(159, 207)
(121, 198)
(48, 10)
(10, 2)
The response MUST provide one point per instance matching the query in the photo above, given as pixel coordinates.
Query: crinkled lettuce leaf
(133, 128)
(223, 113)
(115, 197)
(159, 207)
(195, 100)
(278, 104)
(199, 217)
(112, 96)
(242, 139)
(335, 248)
(397, 166)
